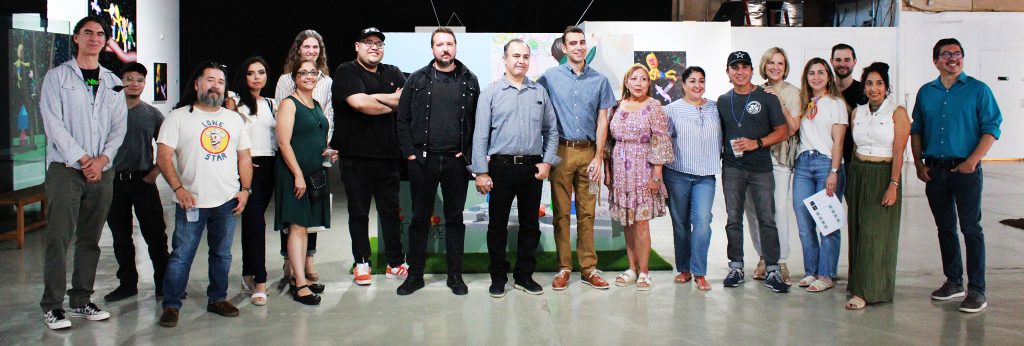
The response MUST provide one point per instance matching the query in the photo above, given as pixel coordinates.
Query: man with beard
(365, 98)
(135, 186)
(581, 97)
(84, 117)
(435, 132)
(210, 185)
(844, 58)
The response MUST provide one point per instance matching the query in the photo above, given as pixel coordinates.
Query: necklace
(296, 95)
(732, 108)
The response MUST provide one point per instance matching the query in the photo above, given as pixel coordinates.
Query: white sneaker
(90, 312)
(55, 319)
(399, 272)
(361, 274)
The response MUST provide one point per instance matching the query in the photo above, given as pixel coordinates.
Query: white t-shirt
(817, 134)
(206, 146)
(261, 125)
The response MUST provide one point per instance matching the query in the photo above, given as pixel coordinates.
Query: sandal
(259, 299)
(761, 272)
(702, 284)
(683, 278)
(806, 281)
(856, 303)
(644, 282)
(627, 278)
(818, 286)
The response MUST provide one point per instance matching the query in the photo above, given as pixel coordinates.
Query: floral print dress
(641, 141)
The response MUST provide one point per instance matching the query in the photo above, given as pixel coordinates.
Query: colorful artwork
(121, 45)
(665, 71)
(159, 81)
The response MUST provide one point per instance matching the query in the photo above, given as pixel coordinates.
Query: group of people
(226, 153)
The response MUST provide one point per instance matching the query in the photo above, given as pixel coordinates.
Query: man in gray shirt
(84, 115)
(514, 147)
(135, 186)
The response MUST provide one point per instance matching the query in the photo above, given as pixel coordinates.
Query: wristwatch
(246, 189)
(760, 144)
(834, 170)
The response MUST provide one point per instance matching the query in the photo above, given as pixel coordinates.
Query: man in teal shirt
(956, 121)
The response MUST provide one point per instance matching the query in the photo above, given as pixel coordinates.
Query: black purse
(316, 185)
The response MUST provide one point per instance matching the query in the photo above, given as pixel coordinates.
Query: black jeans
(451, 173)
(377, 179)
(952, 195)
(513, 181)
(254, 223)
(735, 183)
(132, 191)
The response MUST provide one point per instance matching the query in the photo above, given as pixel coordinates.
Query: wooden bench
(19, 199)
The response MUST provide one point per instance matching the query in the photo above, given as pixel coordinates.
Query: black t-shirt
(92, 79)
(854, 96)
(753, 116)
(444, 135)
(357, 134)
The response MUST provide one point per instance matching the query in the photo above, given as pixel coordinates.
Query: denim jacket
(77, 123)
(414, 112)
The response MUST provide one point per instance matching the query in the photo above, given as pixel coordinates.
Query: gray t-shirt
(136, 153)
(752, 116)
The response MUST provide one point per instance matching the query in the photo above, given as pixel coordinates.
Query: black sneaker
(948, 291)
(410, 285)
(121, 292)
(497, 289)
(734, 279)
(55, 319)
(90, 312)
(975, 302)
(458, 286)
(775, 282)
(529, 286)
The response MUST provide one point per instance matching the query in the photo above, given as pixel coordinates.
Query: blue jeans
(690, 198)
(952, 195)
(812, 169)
(221, 225)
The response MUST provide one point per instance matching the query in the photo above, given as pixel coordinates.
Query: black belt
(943, 164)
(517, 159)
(129, 175)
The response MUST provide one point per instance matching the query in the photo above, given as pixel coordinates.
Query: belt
(575, 144)
(517, 159)
(129, 175)
(943, 164)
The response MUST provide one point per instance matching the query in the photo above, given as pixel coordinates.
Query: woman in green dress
(302, 143)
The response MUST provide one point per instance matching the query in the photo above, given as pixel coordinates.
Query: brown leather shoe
(561, 280)
(761, 271)
(593, 278)
(223, 308)
(170, 318)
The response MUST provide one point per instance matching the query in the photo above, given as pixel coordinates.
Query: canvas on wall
(666, 69)
(121, 43)
(159, 81)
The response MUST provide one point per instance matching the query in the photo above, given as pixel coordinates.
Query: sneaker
(734, 279)
(761, 272)
(458, 286)
(90, 312)
(948, 291)
(561, 280)
(399, 272)
(529, 286)
(170, 318)
(55, 319)
(774, 281)
(410, 286)
(119, 293)
(975, 302)
(497, 289)
(361, 274)
(223, 308)
(594, 279)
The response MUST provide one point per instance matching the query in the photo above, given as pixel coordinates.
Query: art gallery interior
(172, 37)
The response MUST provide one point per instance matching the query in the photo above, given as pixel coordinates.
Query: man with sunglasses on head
(365, 98)
(956, 121)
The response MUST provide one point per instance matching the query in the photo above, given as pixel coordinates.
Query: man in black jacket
(435, 133)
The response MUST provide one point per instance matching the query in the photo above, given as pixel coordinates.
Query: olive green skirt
(874, 231)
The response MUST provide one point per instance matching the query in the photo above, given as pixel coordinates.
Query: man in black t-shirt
(366, 94)
(844, 58)
(752, 121)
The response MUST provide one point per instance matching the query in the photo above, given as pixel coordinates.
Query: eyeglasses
(308, 73)
(947, 55)
(134, 80)
(379, 45)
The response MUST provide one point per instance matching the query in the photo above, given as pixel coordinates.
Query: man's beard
(211, 98)
(443, 64)
(841, 75)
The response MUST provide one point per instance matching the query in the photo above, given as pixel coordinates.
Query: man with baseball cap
(752, 121)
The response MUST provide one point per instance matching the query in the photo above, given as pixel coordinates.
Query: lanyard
(732, 107)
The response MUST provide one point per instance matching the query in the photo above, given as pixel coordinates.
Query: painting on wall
(121, 43)
(159, 81)
(666, 69)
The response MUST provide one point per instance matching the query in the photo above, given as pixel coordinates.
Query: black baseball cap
(370, 31)
(739, 57)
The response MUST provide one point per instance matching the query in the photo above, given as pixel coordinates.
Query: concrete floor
(668, 315)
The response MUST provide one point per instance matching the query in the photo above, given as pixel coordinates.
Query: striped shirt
(321, 93)
(696, 133)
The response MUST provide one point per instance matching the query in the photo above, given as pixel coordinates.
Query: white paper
(827, 211)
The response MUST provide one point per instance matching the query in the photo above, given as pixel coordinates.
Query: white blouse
(261, 125)
(874, 131)
(816, 134)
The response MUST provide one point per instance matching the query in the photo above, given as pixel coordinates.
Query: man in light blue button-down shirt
(85, 117)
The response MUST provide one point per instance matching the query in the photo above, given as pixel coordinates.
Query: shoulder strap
(270, 105)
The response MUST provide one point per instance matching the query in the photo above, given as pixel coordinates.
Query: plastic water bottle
(327, 157)
(192, 214)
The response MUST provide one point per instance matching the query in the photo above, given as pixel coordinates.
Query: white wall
(157, 36)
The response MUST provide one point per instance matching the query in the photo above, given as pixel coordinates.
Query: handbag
(316, 185)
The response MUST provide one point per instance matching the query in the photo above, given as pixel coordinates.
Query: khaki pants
(571, 175)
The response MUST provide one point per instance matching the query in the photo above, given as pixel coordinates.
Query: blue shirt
(696, 137)
(514, 121)
(952, 121)
(577, 100)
